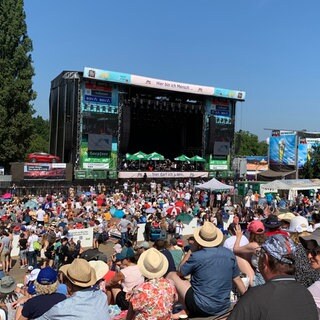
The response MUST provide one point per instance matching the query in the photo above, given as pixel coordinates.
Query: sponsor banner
(305, 150)
(84, 235)
(97, 99)
(39, 171)
(98, 166)
(282, 149)
(218, 165)
(106, 75)
(117, 77)
(155, 175)
(171, 85)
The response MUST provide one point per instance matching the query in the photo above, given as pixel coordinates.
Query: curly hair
(46, 289)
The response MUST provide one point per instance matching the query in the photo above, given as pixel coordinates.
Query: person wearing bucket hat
(154, 298)
(85, 300)
(46, 286)
(212, 269)
(281, 297)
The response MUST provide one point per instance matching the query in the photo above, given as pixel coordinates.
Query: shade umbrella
(128, 156)
(31, 204)
(155, 156)
(173, 210)
(7, 196)
(184, 217)
(139, 156)
(197, 159)
(182, 158)
(179, 203)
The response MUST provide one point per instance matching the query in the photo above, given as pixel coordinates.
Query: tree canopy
(247, 144)
(311, 169)
(16, 91)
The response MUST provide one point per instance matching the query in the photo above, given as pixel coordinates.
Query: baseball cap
(120, 257)
(281, 248)
(256, 226)
(180, 242)
(47, 276)
(191, 238)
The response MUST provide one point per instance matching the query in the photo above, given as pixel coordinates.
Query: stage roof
(131, 79)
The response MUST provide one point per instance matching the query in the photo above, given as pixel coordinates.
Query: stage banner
(218, 165)
(305, 150)
(84, 235)
(161, 175)
(282, 150)
(45, 171)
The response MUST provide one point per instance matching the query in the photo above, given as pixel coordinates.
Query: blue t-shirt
(212, 271)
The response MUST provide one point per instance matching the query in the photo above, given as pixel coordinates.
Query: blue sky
(268, 48)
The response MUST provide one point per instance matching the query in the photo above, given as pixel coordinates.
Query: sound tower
(210, 142)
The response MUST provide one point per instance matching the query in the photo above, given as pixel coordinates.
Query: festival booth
(291, 186)
(214, 185)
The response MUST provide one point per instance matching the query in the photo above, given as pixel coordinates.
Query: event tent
(292, 185)
(214, 185)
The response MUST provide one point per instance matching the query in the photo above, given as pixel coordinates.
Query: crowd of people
(249, 260)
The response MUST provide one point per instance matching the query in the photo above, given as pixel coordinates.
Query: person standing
(281, 297)
(123, 226)
(31, 253)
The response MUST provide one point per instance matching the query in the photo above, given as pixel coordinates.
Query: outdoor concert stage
(98, 116)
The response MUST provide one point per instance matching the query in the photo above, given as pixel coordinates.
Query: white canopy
(214, 185)
(291, 184)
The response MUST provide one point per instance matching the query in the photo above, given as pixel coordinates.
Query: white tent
(292, 185)
(214, 185)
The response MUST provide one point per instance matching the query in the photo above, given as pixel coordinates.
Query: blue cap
(32, 289)
(47, 276)
(120, 257)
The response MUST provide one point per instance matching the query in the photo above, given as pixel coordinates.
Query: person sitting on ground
(129, 277)
(212, 269)
(154, 298)
(162, 245)
(176, 252)
(273, 226)
(85, 301)
(281, 297)
(46, 286)
(249, 251)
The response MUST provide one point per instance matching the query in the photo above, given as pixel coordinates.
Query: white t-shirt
(40, 214)
(229, 242)
(33, 238)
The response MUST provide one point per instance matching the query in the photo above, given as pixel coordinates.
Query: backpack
(93, 255)
(37, 246)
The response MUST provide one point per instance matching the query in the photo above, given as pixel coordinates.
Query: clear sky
(268, 48)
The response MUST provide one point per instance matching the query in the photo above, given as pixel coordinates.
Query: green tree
(40, 136)
(16, 72)
(311, 169)
(247, 144)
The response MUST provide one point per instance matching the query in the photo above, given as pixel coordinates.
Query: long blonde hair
(295, 236)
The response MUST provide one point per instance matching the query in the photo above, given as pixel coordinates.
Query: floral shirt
(153, 300)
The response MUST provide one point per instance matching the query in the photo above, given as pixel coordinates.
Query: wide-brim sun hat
(80, 273)
(208, 235)
(153, 264)
(299, 224)
(288, 216)
(100, 267)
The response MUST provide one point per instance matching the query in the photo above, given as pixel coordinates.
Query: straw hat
(208, 235)
(80, 273)
(153, 264)
(288, 216)
(100, 267)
